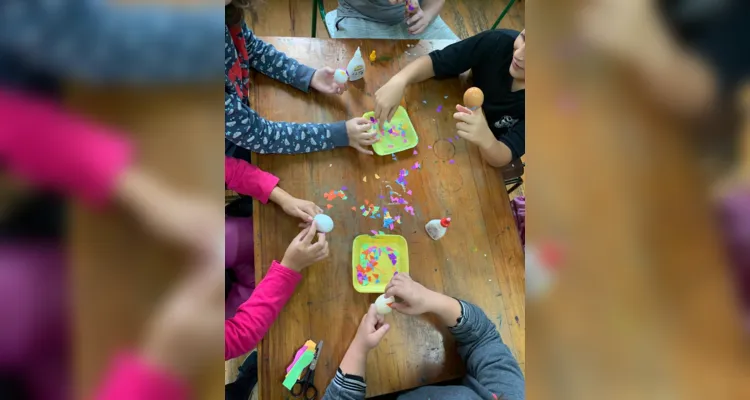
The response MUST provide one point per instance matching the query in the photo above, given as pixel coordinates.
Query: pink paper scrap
(408, 192)
(415, 152)
(429, 147)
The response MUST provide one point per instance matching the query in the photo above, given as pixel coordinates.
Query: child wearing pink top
(247, 179)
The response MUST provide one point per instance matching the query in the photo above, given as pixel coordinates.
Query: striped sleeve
(346, 387)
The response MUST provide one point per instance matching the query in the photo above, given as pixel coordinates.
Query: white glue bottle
(437, 227)
(356, 67)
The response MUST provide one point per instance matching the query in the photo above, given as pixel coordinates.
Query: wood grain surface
(479, 260)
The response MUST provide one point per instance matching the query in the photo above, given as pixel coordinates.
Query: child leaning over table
(388, 19)
(245, 128)
(491, 370)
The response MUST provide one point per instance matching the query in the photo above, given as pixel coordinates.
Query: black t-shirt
(719, 31)
(488, 55)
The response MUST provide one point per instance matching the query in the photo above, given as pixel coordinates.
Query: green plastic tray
(404, 136)
(383, 269)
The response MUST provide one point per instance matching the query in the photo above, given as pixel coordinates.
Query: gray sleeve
(99, 41)
(488, 360)
(245, 128)
(275, 64)
(346, 387)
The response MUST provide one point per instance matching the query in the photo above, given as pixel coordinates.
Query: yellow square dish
(375, 259)
(399, 134)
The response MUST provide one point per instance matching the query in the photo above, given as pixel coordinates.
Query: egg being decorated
(323, 223)
(340, 76)
(473, 97)
(383, 304)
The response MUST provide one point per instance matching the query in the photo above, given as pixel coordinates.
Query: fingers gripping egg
(323, 223)
(383, 304)
(340, 76)
(473, 98)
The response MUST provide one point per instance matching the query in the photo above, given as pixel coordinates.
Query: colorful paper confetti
(416, 165)
(364, 179)
(409, 209)
(377, 176)
(408, 192)
(329, 206)
(369, 269)
(334, 194)
(440, 108)
(429, 147)
(450, 140)
(452, 162)
(415, 152)
(424, 101)
(445, 97)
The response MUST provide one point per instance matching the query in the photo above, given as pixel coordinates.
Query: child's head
(234, 10)
(518, 65)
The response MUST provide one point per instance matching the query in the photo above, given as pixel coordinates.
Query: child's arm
(247, 179)
(51, 149)
(275, 64)
(244, 331)
(488, 360)
(349, 382)
(100, 41)
(245, 128)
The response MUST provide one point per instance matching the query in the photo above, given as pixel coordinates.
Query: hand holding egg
(473, 98)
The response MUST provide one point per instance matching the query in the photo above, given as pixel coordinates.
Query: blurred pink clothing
(52, 149)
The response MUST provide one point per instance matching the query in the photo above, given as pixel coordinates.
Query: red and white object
(437, 227)
(541, 269)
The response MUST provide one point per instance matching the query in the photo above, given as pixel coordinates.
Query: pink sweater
(252, 320)
(51, 149)
(246, 178)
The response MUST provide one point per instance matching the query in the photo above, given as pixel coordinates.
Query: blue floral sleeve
(245, 128)
(265, 59)
(99, 41)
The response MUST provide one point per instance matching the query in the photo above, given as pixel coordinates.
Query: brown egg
(473, 97)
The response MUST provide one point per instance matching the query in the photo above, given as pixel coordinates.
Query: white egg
(323, 223)
(382, 304)
(340, 76)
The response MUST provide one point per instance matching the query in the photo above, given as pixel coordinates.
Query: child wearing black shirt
(497, 61)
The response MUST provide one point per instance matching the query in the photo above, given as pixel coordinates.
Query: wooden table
(480, 259)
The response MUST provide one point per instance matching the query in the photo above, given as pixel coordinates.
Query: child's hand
(371, 330)
(359, 135)
(387, 99)
(323, 82)
(419, 21)
(473, 127)
(302, 209)
(415, 298)
(302, 253)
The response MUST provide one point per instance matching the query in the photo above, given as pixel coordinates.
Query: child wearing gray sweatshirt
(491, 370)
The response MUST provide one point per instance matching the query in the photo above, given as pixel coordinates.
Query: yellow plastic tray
(384, 269)
(403, 138)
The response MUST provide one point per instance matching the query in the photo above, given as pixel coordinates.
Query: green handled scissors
(305, 387)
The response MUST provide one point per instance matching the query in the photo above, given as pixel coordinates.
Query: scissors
(305, 387)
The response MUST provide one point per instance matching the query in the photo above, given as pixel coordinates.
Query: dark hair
(234, 12)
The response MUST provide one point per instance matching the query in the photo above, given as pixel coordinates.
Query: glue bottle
(356, 67)
(437, 228)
